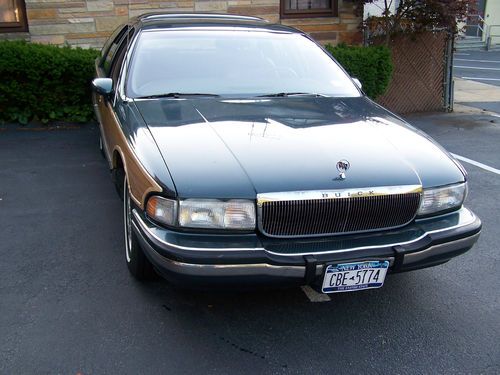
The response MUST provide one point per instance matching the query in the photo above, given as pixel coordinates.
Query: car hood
(236, 148)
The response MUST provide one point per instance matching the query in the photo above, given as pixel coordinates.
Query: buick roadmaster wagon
(246, 155)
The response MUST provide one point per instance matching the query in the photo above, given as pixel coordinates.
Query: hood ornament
(342, 166)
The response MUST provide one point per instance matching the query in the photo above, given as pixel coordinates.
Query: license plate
(348, 277)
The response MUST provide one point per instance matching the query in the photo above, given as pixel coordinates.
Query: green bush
(46, 83)
(50, 83)
(371, 65)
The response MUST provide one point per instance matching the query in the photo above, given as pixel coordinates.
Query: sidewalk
(476, 96)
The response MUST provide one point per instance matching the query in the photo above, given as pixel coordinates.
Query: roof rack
(155, 16)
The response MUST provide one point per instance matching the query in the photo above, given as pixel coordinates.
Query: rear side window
(112, 49)
(119, 54)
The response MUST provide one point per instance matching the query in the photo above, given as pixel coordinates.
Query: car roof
(164, 20)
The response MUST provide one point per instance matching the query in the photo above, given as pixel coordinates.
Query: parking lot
(481, 66)
(68, 304)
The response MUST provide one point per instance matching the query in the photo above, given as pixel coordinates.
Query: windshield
(233, 63)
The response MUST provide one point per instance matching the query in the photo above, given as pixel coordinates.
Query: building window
(13, 16)
(309, 8)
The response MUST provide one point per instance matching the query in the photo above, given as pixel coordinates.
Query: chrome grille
(308, 217)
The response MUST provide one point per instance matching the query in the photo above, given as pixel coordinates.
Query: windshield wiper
(286, 94)
(176, 95)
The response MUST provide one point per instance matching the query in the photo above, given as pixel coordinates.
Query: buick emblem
(342, 166)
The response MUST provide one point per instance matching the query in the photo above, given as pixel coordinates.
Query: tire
(101, 147)
(138, 264)
(118, 177)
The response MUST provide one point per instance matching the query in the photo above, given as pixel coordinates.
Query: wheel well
(117, 161)
(118, 172)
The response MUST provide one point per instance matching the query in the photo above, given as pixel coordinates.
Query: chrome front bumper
(248, 259)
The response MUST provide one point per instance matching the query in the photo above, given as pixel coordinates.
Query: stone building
(87, 23)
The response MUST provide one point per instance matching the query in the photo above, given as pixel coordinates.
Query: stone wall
(87, 23)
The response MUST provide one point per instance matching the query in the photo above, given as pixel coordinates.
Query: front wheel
(138, 264)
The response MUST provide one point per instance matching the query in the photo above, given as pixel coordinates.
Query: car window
(234, 63)
(115, 36)
(116, 64)
(111, 51)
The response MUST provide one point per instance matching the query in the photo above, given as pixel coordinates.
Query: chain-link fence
(421, 79)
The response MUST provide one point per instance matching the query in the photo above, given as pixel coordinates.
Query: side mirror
(358, 83)
(103, 86)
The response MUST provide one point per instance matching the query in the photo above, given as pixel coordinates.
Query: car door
(113, 123)
(110, 67)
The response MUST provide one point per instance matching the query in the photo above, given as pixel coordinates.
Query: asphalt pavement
(68, 304)
(480, 66)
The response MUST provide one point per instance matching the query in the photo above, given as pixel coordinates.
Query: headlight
(437, 200)
(215, 214)
(162, 210)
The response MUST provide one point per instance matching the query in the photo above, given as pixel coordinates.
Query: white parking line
(483, 61)
(482, 79)
(462, 54)
(477, 164)
(474, 67)
(313, 295)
